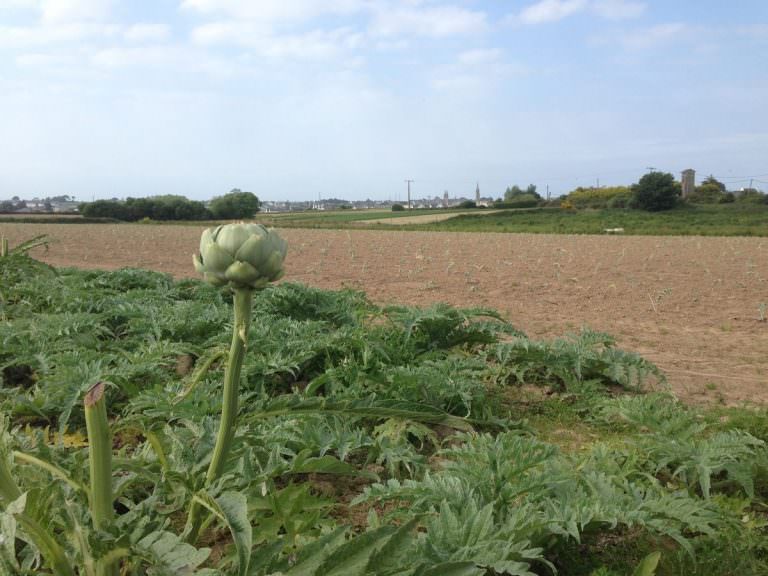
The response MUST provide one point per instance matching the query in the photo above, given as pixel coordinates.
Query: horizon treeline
(236, 204)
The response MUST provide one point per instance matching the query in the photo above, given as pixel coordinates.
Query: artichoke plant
(241, 256)
(244, 257)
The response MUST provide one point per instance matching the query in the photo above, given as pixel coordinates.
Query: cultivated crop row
(360, 439)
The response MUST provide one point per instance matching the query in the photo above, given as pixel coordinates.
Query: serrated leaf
(353, 557)
(393, 556)
(169, 555)
(8, 530)
(314, 554)
(232, 509)
(304, 464)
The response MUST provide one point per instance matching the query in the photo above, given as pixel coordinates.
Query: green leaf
(169, 555)
(293, 405)
(353, 557)
(453, 569)
(397, 553)
(648, 565)
(314, 554)
(306, 464)
(8, 531)
(232, 509)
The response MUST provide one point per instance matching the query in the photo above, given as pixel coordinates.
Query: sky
(307, 99)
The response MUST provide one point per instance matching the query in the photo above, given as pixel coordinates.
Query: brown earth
(423, 218)
(690, 304)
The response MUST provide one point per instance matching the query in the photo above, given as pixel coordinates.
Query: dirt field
(690, 304)
(424, 218)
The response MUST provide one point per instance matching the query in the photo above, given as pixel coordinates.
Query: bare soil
(690, 304)
(423, 218)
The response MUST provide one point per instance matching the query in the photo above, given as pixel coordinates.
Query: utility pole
(547, 192)
(409, 192)
(650, 169)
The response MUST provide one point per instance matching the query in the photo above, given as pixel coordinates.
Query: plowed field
(690, 304)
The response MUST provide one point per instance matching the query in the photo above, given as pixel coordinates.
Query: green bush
(752, 196)
(161, 208)
(611, 196)
(707, 194)
(397, 207)
(524, 201)
(237, 205)
(656, 191)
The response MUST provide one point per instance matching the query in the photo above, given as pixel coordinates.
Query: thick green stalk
(99, 456)
(100, 462)
(242, 308)
(3, 247)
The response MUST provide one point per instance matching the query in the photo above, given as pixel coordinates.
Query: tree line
(232, 206)
(654, 192)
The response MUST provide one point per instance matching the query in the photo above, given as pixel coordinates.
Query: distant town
(711, 190)
(69, 204)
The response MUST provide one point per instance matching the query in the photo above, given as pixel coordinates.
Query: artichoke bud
(240, 255)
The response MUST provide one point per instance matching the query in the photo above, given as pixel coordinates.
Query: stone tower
(689, 182)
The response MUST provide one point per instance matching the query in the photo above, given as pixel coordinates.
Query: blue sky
(295, 99)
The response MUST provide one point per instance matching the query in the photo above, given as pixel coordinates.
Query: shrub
(707, 194)
(619, 196)
(397, 207)
(656, 191)
(237, 205)
(168, 207)
(753, 196)
(523, 201)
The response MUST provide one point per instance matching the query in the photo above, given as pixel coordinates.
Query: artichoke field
(337, 437)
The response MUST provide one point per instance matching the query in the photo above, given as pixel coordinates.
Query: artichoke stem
(100, 463)
(243, 303)
(242, 308)
(99, 456)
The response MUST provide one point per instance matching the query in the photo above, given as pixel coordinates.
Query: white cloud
(479, 57)
(146, 32)
(618, 9)
(39, 60)
(314, 45)
(60, 11)
(18, 4)
(475, 72)
(59, 21)
(161, 57)
(272, 12)
(551, 10)
(655, 35)
(31, 36)
(434, 21)
(546, 11)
